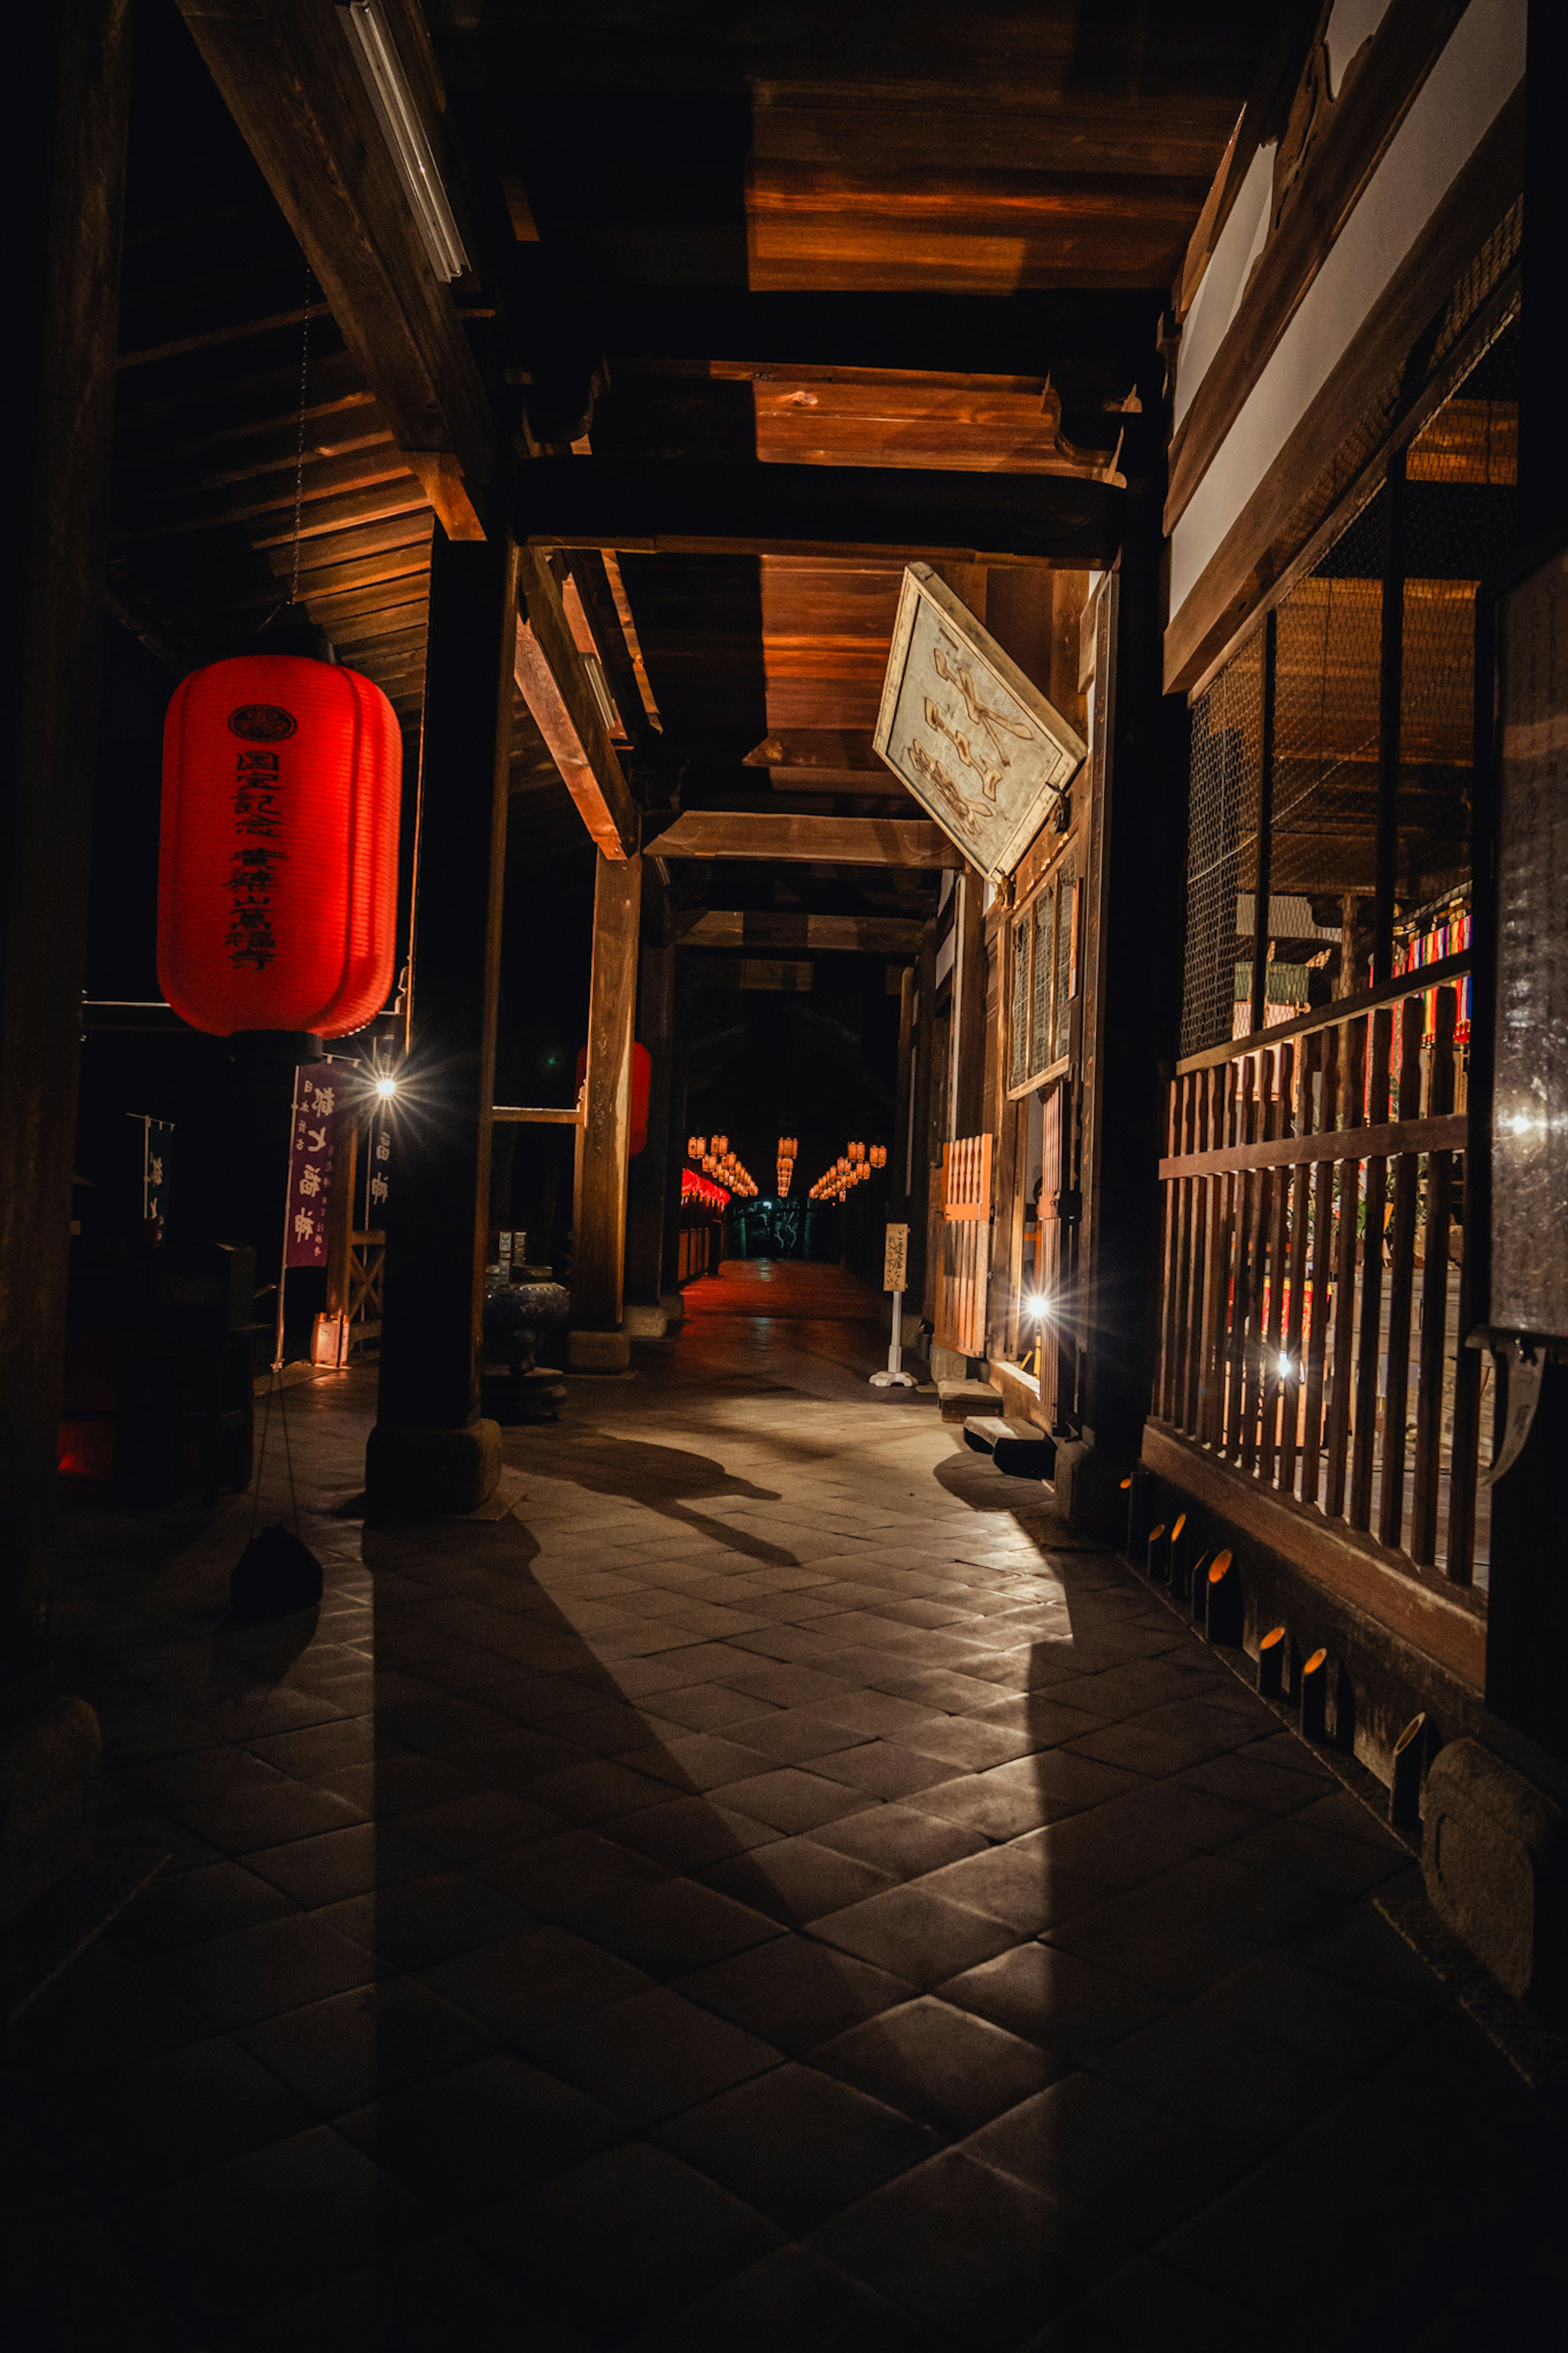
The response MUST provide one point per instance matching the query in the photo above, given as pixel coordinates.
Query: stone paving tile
(798, 2145)
(939, 2062)
(782, 1786)
(343, 2051)
(673, 2232)
(884, 1769)
(796, 1880)
(915, 1933)
(795, 1991)
(1073, 2007)
(789, 2300)
(978, 2254)
(651, 2055)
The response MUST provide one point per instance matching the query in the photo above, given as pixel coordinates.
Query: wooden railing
(367, 1273)
(702, 1244)
(961, 1276)
(1315, 1287)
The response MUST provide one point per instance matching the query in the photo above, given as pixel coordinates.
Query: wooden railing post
(1434, 1342)
(1370, 1334)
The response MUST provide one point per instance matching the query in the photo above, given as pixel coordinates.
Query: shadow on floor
(609, 1933)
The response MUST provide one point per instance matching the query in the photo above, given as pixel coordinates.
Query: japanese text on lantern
(253, 868)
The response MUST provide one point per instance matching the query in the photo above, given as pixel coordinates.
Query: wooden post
(66, 173)
(429, 1451)
(1131, 951)
(901, 1154)
(654, 1175)
(923, 1240)
(598, 1258)
(1526, 1621)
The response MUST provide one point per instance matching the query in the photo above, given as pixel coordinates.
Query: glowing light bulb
(386, 1087)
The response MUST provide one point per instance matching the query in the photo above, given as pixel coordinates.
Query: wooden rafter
(551, 678)
(287, 74)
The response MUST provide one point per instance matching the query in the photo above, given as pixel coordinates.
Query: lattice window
(1222, 841)
(1066, 955)
(1018, 1003)
(1042, 959)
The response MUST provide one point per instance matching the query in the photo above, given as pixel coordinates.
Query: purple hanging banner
(318, 1111)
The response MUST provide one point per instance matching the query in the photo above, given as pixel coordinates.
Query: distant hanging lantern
(720, 1143)
(278, 854)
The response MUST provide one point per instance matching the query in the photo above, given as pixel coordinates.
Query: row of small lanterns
(789, 1150)
(716, 1159)
(854, 1167)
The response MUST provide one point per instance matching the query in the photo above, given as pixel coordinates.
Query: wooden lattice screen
(961, 1282)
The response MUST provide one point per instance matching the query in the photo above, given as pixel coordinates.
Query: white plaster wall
(1462, 97)
(1350, 22)
(1220, 287)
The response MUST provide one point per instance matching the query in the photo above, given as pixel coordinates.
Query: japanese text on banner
(318, 1116)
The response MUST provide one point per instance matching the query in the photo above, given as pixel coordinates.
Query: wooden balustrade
(1315, 1274)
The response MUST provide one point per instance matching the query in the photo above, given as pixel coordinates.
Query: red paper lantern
(642, 1078)
(278, 860)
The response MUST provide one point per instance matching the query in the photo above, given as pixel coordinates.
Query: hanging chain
(300, 454)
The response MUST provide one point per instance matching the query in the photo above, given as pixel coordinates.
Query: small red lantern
(277, 857)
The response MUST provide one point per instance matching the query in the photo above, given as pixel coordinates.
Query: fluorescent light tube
(382, 70)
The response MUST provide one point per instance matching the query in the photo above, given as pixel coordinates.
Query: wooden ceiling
(887, 238)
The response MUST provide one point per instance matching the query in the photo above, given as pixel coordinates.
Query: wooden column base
(444, 1472)
(599, 1352)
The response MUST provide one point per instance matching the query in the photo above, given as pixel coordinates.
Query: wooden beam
(608, 632)
(808, 841)
(684, 505)
(550, 676)
(767, 976)
(719, 927)
(289, 80)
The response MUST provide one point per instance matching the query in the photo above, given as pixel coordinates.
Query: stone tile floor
(775, 1889)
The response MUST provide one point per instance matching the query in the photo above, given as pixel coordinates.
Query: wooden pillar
(65, 168)
(901, 1154)
(598, 1344)
(654, 1174)
(430, 1449)
(921, 1257)
(1526, 1620)
(1130, 953)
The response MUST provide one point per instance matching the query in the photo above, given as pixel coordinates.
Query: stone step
(981, 1432)
(1016, 1447)
(961, 1400)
